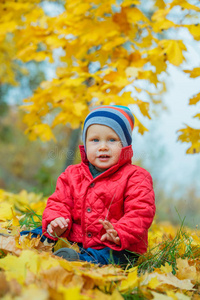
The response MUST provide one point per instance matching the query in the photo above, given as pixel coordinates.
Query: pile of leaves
(29, 270)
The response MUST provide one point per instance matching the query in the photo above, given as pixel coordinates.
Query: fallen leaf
(159, 296)
(4, 287)
(169, 279)
(185, 271)
(130, 282)
(8, 244)
(33, 293)
(56, 276)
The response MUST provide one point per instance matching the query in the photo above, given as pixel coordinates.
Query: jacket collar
(125, 155)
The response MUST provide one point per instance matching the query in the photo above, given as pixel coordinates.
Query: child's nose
(103, 146)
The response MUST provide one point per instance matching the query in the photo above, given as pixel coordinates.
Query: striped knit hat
(117, 117)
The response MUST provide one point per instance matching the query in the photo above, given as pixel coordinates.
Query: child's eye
(95, 140)
(112, 140)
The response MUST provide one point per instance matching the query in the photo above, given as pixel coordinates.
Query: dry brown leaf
(64, 243)
(56, 276)
(8, 244)
(159, 296)
(26, 242)
(4, 287)
(12, 286)
(185, 271)
(169, 279)
(33, 293)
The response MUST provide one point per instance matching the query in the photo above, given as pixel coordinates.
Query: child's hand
(58, 226)
(111, 234)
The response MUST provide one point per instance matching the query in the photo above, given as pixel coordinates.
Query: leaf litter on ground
(28, 269)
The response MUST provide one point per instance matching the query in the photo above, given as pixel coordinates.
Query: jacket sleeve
(59, 204)
(139, 211)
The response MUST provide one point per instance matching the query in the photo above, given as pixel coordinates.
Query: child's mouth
(103, 157)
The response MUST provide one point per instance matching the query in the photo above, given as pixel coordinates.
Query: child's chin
(102, 168)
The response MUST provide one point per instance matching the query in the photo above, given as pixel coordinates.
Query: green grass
(134, 295)
(2, 254)
(28, 219)
(167, 252)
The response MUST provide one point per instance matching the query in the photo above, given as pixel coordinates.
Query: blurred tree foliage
(24, 164)
(33, 166)
(126, 46)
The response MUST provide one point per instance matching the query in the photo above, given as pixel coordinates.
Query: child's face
(103, 146)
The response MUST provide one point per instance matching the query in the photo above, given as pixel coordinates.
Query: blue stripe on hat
(114, 125)
(116, 118)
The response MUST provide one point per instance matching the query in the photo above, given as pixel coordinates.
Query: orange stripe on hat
(121, 111)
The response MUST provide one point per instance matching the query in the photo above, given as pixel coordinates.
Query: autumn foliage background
(59, 59)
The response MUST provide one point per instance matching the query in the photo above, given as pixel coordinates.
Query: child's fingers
(113, 231)
(110, 237)
(117, 240)
(64, 221)
(50, 229)
(113, 238)
(106, 224)
(103, 224)
(104, 237)
(59, 222)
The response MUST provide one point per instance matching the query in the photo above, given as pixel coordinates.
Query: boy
(105, 204)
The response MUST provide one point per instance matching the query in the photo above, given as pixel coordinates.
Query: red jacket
(123, 195)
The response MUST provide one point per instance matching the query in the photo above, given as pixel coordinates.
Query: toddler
(105, 204)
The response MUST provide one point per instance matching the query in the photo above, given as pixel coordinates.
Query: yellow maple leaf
(171, 280)
(116, 295)
(166, 268)
(160, 4)
(160, 296)
(194, 99)
(144, 108)
(185, 271)
(184, 5)
(197, 116)
(149, 75)
(160, 14)
(82, 8)
(33, 292)
(15, 268)
(130, 282)
(41, 130)
(79, 108)
(126, 3)
(141, 127)
(193, 73)
(25, 52)
(194, 30)
(190, 135)
(118, 41)
(173, 49)
(164, 24)
(153, 283)
(132, 71)
(5, 211)
(15, 221)
(6, 27)
(134, 15)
